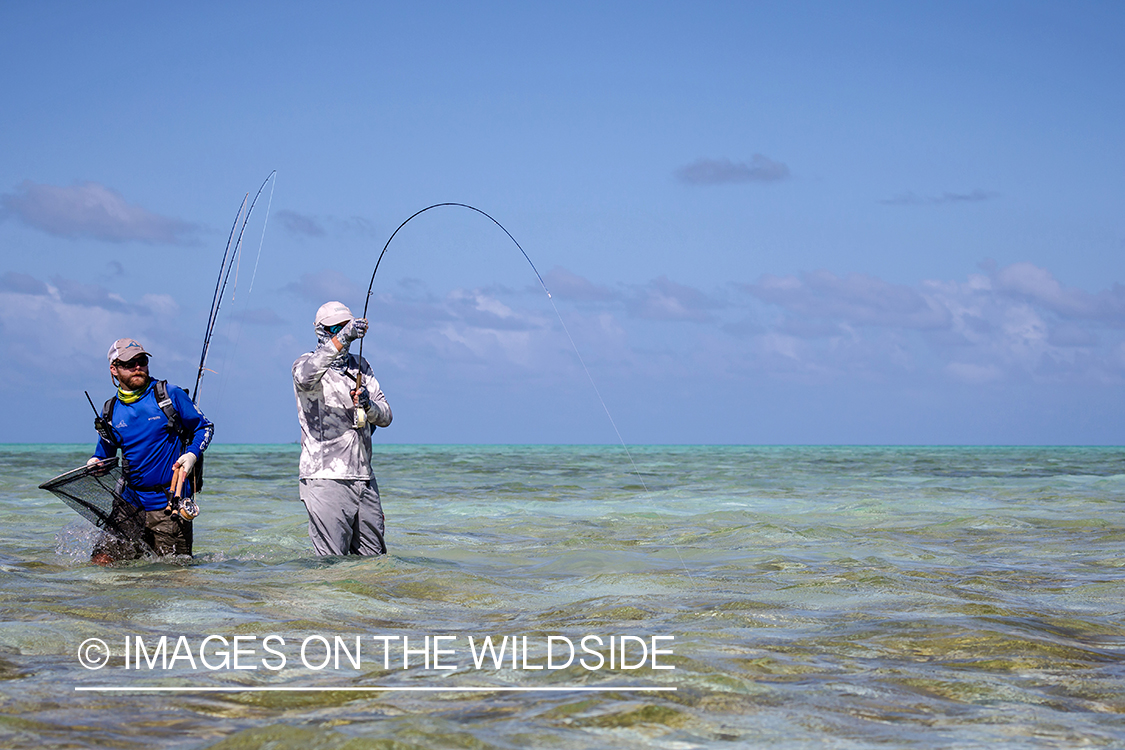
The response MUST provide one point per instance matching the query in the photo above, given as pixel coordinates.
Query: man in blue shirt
(156, 442)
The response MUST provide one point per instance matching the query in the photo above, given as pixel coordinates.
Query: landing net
(95, 493)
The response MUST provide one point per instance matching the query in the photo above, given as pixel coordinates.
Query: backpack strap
(164, 401)
(177, 427)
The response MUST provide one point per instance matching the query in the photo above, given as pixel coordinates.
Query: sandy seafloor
(815, 597)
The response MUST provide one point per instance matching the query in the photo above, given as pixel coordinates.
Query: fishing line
(264, 225)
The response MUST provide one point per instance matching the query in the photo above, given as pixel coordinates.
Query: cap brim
(335, 318)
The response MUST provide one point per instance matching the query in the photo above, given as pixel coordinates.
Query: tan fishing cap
(124, 350)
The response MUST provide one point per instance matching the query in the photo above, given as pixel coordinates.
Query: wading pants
(345, 516)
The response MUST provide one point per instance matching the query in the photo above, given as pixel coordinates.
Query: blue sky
(760, 222)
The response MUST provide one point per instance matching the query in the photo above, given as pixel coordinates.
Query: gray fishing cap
(124, 350)
(331, 313)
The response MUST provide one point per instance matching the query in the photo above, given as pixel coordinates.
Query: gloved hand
(185, 463)
(98, 471)
(352, 331)
(364, 399)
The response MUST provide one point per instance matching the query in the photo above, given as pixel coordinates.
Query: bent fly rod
(231, 258)
(360, 417)
(424, 210)
(361, 420)
(370, 286)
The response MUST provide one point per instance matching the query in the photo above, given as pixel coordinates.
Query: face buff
(128, 397)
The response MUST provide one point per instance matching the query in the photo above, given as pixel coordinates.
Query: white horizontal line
(377, 689)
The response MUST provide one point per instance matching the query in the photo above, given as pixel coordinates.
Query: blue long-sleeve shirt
(151, 447)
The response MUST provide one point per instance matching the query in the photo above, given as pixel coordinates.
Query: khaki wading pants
(163, 533)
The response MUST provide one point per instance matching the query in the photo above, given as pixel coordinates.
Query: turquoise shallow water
(815, 597)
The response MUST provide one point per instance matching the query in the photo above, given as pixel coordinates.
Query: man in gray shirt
(336, 484)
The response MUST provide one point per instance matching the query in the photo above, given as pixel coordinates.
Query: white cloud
(856, 298)
(92, 210)
(571, 286)
(81, 325)
(724, 171)
(297, 223)
(323, 286)
(1017, 322)
(1038, 286)
(11, 281)
(664, 299)
(481, 310)
(160, 304)
(945, 199)
(307, 225)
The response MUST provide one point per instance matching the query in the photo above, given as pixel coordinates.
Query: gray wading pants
(345, 516)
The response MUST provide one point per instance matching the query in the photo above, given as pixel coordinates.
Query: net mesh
(95, 493)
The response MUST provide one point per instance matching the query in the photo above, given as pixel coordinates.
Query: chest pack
(175, 426)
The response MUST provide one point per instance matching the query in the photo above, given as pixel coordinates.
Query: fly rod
(230, 257)
(360, 416)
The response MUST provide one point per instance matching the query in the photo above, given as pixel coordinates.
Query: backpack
(103, 425)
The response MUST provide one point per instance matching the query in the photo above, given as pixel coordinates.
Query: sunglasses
(133, 364)
(336, 328)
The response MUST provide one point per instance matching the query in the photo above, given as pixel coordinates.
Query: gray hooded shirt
(331, 448)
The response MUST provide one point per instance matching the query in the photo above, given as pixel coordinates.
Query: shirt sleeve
(103, 450)
(200, 427)
(310, 368)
